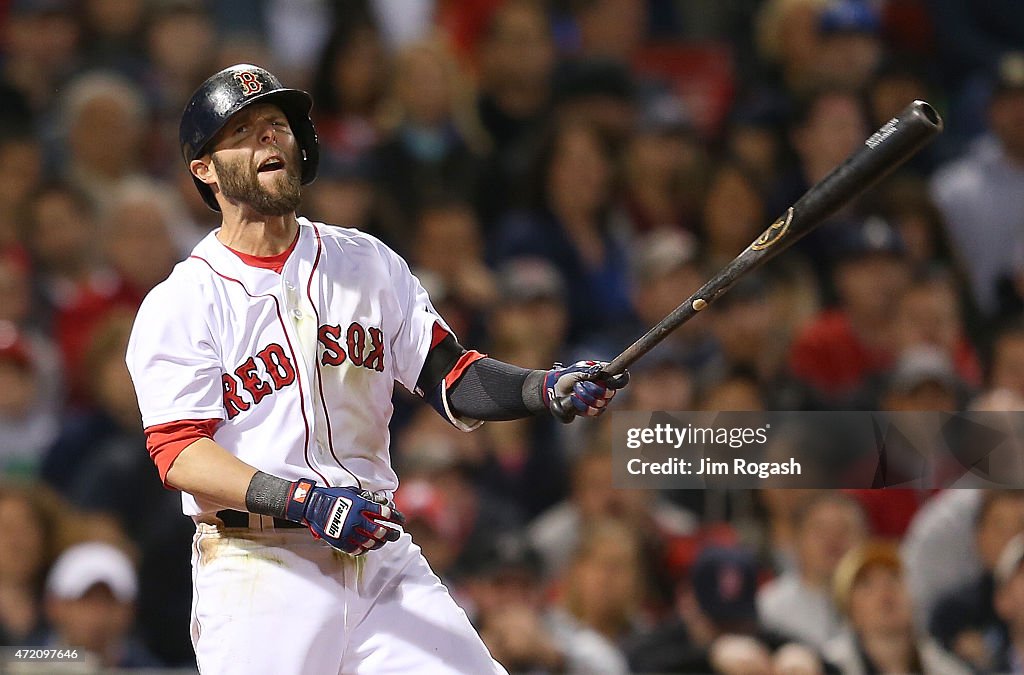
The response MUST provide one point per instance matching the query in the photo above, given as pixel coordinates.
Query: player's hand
(580, 390)
(350, 520)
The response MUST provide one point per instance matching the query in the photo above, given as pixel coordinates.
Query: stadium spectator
(508, 598)
(981, 195)
(349, 86)
(871, 591)
(180, 48)
(788, 42)
(665, 383)
(1006, 371)
(41, 49)
(105, 117)
(839, 350)
(750, 336)
(104, 446)
(21, 169)
(798, 604)
(28, 416)
(923, 378)
(929, 314)
(666, 267)
(905, 203)
(90, 596)
(592, 499)
(23, 325)
(343, 194)
(753, 135)
(825, 127)
(965, 620)
(609, 29)
(602, 594)
(516, 57)
(439, 529)
(733, 212)
(570, 225)
(714, 626)
(59, 234)
(447, 255)
(777, 541)
(662, 161)
(434, 142)
(850, 44)
(29, 523)
(971, 38)
(1008, 602)
(453, 513)
(597, 93)
(142, 235)
(531, 322)
(524, 464)
(735, 390)
(936, 559)
(112, 36)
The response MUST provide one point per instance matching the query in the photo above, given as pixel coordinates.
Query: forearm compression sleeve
(492, 390)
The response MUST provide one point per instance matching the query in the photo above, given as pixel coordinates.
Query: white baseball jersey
(300, 365)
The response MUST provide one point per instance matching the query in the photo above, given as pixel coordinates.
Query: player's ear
(202, 169)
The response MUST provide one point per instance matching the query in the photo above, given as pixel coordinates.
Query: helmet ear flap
(227, 92)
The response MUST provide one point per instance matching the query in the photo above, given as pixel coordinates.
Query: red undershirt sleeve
(166, 441)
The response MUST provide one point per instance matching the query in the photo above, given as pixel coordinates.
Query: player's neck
(256, 234)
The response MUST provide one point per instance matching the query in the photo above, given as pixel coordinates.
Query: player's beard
(240, 181)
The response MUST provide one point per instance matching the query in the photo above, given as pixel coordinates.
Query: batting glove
(350, 520)
(578, 389)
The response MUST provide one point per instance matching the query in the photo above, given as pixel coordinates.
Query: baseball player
(264, 367)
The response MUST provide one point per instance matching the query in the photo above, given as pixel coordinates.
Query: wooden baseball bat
(889, 147)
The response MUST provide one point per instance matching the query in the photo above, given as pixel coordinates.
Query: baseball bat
(885, 150)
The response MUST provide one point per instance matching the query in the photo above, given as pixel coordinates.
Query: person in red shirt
(836, 353)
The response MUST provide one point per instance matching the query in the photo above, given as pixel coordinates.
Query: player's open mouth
(270, 164)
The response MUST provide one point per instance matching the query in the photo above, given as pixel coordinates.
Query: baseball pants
(279, 601)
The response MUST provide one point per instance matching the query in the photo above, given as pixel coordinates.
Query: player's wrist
(272, 496)
(533, 392)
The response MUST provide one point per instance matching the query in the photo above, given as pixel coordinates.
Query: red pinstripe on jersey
(291, 349)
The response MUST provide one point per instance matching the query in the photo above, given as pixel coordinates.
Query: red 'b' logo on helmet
(250, 84)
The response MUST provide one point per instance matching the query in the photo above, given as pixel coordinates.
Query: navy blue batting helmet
(227, 92)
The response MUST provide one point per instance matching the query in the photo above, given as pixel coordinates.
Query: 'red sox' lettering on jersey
(271, 369)
(362, 354)
(278, 372)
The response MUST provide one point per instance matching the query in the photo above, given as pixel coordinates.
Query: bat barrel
(883, 152)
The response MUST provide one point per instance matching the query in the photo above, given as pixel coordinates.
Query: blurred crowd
(560, 174)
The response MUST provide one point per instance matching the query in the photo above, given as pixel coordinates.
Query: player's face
(257, 161)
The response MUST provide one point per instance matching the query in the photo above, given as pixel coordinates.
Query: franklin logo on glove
(338, 516)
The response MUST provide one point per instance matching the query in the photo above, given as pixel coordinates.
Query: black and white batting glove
(579, 390)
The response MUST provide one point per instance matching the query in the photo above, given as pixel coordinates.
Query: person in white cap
(90, 604)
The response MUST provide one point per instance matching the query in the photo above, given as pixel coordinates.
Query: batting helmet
(227, 92)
